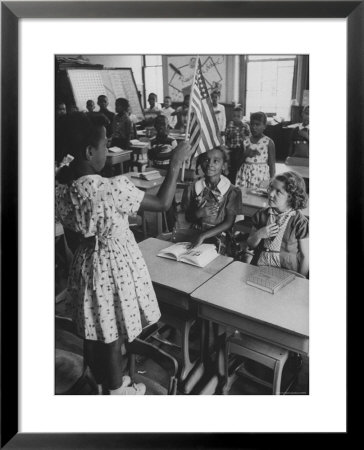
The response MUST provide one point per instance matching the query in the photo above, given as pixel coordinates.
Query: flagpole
(189, 117)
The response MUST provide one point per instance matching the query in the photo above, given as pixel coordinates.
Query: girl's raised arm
(163, 199)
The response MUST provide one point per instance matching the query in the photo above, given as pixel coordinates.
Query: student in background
(122, 128)
(235, 134)
(61, 109)
(103, 103)
(299, 145)
(167, 111)
(212, 202)
(90, 106)
(181, 112)
(280, 233)
(161, 146)
(110, 293)
(153, 111)
(73, 109)
(259, 155)
(219, 111)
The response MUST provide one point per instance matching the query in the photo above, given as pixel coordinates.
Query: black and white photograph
(158, 174)
(182, 224)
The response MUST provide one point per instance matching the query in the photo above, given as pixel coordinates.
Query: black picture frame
(11, 13)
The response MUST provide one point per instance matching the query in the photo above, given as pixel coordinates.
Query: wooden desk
(253, 203)
(173, 284)
(119, 158)
(281, 319)
(150, 187)
(173, 276)
(301, 170)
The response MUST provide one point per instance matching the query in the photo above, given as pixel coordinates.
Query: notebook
(199, 256)
(269, 279)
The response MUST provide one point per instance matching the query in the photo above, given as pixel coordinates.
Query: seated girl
(211, 203)
(280, 232)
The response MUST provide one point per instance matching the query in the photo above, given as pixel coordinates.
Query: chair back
(166, 362)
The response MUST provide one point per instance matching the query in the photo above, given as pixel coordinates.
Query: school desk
(150, 187)
(280, 319)
(113, 158)
(253, 203)
(301, 170)
(173, 283)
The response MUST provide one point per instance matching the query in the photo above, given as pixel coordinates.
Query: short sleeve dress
(225, 196)
(254, 170)
(110, 293)
(293, 227)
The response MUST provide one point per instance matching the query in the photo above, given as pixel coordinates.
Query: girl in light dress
(110, 293)
(259, 155)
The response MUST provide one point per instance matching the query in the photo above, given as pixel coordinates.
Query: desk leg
(159, 223)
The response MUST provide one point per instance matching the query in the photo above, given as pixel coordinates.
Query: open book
(150, 175)
(269, 279)
(199, 256)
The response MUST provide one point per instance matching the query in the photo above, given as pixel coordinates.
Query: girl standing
(109, 288)
(259, 155)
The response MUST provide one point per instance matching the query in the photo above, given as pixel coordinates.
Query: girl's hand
(198, 240)
(268, 231)
(181, 152)
(206, 211)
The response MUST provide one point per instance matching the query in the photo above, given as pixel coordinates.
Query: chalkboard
(88, 84)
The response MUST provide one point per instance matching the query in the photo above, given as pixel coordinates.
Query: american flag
(204, 131)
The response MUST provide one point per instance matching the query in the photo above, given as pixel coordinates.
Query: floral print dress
(255, 170)
(110, 293)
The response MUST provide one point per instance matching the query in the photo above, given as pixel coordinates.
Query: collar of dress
(222, 187)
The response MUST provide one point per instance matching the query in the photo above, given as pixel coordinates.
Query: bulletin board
(180, 71)
(88, 84)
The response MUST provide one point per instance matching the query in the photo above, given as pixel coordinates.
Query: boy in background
(121, 125)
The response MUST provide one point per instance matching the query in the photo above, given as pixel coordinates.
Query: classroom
(181, 224)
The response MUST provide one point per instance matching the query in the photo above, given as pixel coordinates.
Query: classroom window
(269, 85)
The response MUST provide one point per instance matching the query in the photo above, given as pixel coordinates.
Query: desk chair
(271, 356)
(166, 370)
(72, 376)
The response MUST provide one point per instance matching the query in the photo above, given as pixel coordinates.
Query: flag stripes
(204, 131)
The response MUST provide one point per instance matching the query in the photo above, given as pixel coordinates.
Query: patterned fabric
(235, 135)
(225, 195)
(255, 170)
(272, 246)
(297, 229)
(110, 293)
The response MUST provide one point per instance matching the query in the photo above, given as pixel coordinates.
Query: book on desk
(269, 279)
(148, 176)
(199, 256)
